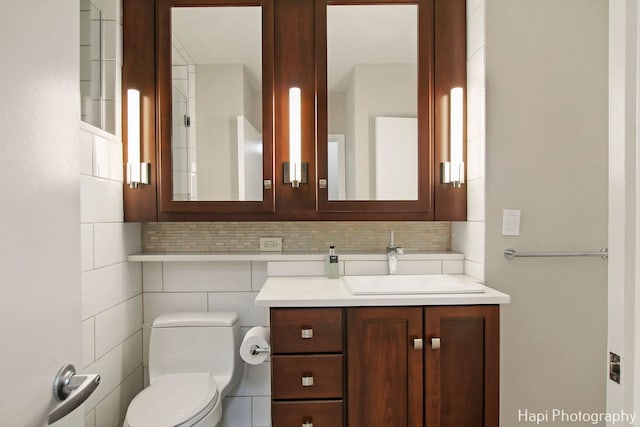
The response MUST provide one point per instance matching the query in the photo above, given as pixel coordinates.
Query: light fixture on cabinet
(452, 172)
(137, 172)
(295, 171)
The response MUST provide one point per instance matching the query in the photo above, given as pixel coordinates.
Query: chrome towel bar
(511, 253)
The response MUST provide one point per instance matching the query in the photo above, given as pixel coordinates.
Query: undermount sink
(412, 284)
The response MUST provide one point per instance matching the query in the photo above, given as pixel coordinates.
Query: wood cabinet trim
(138, 72)
(450, 203)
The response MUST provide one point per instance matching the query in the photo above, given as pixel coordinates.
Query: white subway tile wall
(101, 59)
(111, 286)
(209, 286)
(468, 237)
(360, 268)
(297, 268)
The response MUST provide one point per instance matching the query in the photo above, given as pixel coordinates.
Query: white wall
(547, 155)
(374, 90)
(624, 323)
(252, 98)
(219, 100)
(111, 287)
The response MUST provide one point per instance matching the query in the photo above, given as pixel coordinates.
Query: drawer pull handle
(417, 343)
(306, 333)
(307, 424)
(307, 381)
(435, 343)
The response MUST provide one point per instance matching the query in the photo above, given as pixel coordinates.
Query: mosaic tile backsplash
(296, 236)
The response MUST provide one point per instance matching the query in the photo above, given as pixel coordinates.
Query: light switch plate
(511, 222)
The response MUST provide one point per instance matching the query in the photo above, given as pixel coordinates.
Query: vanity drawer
(307, 377)
(313, 330)
(307, 414)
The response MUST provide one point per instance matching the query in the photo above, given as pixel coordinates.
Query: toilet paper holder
(254, 349)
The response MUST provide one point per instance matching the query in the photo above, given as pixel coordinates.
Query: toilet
(193, 364)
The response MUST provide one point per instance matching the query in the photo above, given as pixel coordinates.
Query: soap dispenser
(331, 264)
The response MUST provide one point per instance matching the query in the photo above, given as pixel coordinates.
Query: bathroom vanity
(340, 359)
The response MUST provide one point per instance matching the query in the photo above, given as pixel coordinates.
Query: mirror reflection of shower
(185, 169)
(91, 64)
(217, 147)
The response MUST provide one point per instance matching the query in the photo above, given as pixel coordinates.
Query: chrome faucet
(392, 255)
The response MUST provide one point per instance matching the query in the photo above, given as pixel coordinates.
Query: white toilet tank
(197, 342)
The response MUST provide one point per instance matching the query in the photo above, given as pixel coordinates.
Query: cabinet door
(462, 367)
(384, 369)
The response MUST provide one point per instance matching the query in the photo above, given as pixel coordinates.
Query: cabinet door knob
(307, 381)
(417, 343)
(306, 333)
(435, 343)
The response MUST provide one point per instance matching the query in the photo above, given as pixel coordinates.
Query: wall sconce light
(137, 172)
(452, 172)
(295, 171)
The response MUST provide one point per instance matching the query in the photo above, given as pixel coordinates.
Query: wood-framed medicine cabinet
(348, 109)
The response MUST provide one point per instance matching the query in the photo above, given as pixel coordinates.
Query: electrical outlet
(271, 244)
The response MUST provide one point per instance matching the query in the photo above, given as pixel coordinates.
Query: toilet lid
(173, 400)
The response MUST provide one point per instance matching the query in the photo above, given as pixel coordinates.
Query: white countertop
(289, 256)
(317, 291)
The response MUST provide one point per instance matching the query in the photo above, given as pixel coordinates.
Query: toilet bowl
(193, 363)
(177, 400)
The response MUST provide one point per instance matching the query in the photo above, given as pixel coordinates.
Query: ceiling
(379, 34)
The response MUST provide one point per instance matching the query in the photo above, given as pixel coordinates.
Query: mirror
(372, 97)
(91, 64)
(216, 103)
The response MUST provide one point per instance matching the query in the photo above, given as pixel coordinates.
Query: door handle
(71, 391)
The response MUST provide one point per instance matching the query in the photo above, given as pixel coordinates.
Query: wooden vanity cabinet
(435, 366)
(294, 54)
(307, 364)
